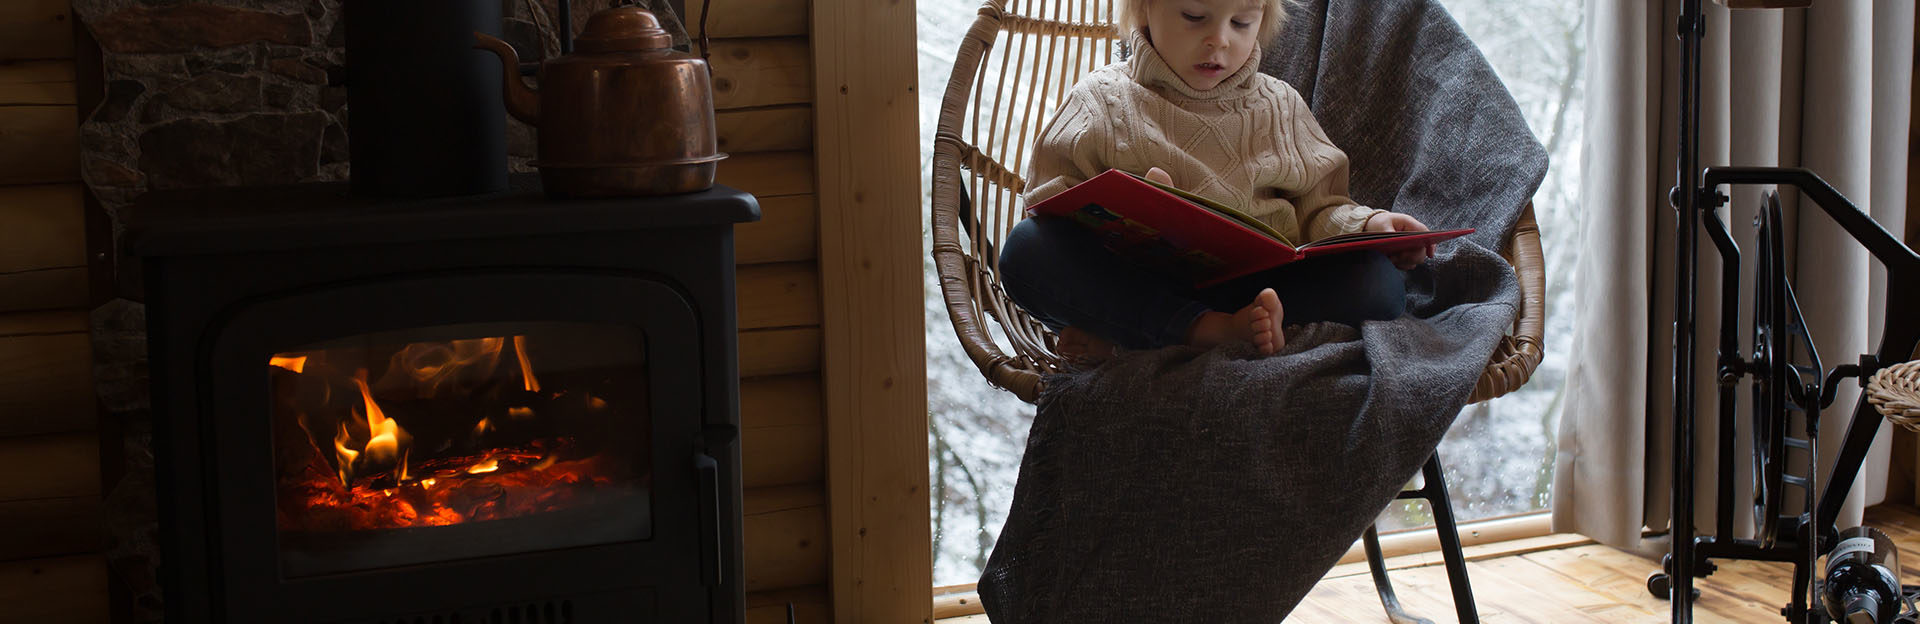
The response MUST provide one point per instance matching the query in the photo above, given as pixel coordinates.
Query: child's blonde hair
(1131, 15)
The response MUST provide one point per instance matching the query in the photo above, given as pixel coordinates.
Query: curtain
(1826, 88)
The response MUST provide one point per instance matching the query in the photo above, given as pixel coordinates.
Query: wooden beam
(51, 526)
(45, 228)
(778, 295)
(772, 456)
(48, 83)
(782, 438)
(782, 401)
(770, 607)
(783, 351)
(51, 466)
(777, 128)
(39, 144)
(46, 375)
(762, 72)
(44, 225)
(768, 174)
(788, 231)
(43, 289)
(70, 590)
(750, 18)
(36, 29)
(785, 532)
(866, 138)
(43, 264)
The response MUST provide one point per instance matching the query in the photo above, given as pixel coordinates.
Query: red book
(1171, 230)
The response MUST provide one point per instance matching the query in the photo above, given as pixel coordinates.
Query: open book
(1183, 234)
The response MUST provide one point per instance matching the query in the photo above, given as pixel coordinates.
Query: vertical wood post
(874, 373)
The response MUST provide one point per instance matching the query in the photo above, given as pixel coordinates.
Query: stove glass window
(459, 441)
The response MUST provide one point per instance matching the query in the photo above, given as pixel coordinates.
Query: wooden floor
(1566, 579)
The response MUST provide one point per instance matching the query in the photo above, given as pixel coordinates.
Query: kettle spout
(522, 102)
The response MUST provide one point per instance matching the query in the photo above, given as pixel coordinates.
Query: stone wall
(218, 93)
(238, 92)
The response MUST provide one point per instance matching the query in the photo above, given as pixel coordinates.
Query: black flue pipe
(425, 114)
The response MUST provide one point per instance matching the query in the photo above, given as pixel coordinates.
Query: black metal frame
(1781, 386)
(1433, 489)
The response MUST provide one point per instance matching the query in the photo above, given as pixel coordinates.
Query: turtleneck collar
(1146, 66)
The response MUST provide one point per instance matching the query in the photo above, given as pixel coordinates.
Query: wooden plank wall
(763, 93)
(51, 526)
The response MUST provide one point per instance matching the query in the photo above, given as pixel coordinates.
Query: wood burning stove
(484, 409)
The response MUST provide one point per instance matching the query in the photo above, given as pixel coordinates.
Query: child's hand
(1159, 175)
(1397, 222)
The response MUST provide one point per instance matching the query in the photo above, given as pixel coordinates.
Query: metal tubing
(1731, 364)
(1450, 541)
(566, 26)
(1685, 199)
(1376, 564)
(1878, 242)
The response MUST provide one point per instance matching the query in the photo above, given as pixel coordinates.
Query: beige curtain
(1824, 88)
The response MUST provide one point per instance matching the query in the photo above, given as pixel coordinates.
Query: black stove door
(353, 478)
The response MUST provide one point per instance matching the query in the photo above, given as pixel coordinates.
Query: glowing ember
(520, 413)
(484, 467)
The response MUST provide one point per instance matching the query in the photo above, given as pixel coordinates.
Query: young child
(1190, 109)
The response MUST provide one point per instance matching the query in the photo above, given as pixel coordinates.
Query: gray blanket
(1214, 486)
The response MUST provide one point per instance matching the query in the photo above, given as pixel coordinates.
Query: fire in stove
(441, 433)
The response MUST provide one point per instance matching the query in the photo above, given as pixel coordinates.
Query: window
(1499, 455)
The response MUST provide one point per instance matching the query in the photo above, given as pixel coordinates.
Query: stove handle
(708, 472)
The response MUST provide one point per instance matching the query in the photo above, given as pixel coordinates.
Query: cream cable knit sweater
(1250, 143)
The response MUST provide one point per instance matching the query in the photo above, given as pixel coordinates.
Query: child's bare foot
(1258, 323)
(1080, 347)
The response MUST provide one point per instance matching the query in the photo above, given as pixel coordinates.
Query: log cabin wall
(51, 526)
(241, 92)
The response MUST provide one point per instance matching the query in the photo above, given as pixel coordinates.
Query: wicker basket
(1895, 391)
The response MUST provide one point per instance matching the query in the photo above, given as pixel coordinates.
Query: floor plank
(1574, 582)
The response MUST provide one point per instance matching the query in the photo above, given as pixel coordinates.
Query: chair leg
(1436, 494)
(1384, 586)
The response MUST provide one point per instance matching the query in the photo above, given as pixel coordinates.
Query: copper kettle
(623, 115)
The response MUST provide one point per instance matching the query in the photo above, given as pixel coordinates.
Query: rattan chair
(1015, 64)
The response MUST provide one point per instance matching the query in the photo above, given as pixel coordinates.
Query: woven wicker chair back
(1015, 65)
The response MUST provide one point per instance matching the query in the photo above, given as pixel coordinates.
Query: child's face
(1204, 40)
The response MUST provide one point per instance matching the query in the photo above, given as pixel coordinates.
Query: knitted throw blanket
(1213, 486)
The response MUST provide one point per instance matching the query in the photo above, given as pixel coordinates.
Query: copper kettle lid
(622, 29)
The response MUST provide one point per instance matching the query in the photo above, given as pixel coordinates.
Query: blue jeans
(1061, 274)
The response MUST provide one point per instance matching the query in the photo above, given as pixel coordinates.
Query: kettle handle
(522, 101)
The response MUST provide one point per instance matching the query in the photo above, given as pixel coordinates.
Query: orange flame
(526, 366)
(346, 456)
(384, 444)
(295, 363)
